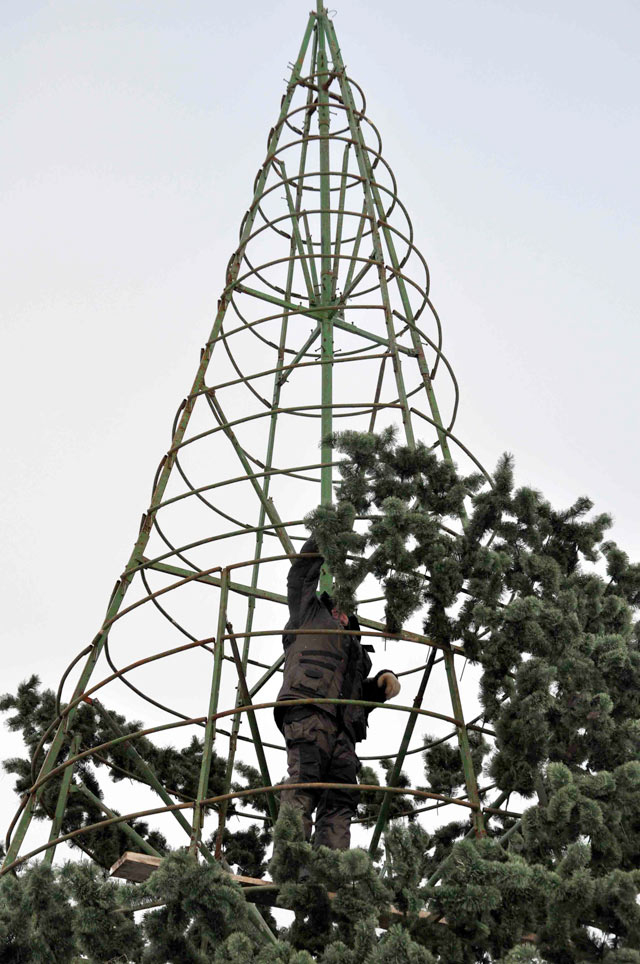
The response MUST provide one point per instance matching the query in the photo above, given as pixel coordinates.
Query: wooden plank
(139, 867)
(135, 867)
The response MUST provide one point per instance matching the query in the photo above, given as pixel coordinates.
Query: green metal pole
(311, 311)
(311, 257)
(273, 669)
(147, 775)
(127, 828)
(210, 729)
(255, 731)
(65, 785)
(510, 832)
(354, 254)
(339, 221)
(442, 866)
(326, 334)
(404, 746)
(393, 347)
(294, 209)
(300, 354)
(388, 236)
(267, 503)
(367, 177)
(463, 742)
(295, 227)
(338, 322)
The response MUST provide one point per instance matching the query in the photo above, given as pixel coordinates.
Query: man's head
(337, 614)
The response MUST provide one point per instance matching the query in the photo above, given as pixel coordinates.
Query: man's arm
(302, 581)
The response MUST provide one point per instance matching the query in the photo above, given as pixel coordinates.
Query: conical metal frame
(325, 322)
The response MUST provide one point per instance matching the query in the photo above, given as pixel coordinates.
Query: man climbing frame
(321, 740)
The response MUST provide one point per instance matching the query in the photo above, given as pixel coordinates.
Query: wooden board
(139, 867)
(135, 867)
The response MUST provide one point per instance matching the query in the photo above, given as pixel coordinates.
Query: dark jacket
(333, 665)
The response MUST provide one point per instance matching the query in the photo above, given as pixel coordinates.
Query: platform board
(139, 867)
(135, 867)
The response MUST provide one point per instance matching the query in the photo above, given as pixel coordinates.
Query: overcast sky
(131, 135)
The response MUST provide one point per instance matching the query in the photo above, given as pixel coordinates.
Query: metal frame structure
(325, 322)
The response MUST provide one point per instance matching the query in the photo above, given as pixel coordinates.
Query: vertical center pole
(326, 288)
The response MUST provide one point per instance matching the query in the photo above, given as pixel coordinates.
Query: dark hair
(327, 601)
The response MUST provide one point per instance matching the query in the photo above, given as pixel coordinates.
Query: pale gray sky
(131, 135)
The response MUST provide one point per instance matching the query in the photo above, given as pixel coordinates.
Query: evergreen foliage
(101, 931)
(443, 765)
(245, 849)
(371, 800)
(558, 647)
(36, 919)
(203, 907)
(547, 609)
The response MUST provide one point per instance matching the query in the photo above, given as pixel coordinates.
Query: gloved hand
(390, 684)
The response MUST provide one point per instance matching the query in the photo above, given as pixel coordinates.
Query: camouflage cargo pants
(318, 751)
